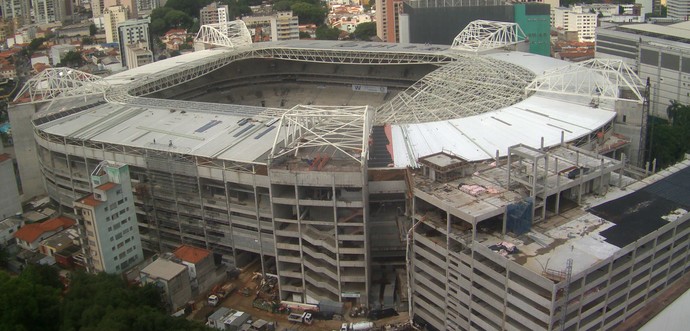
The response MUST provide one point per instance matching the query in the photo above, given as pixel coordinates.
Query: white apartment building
(15, 9)
(678, 9)
(135, 34)
(280, 26)
(213, 13)
(107, 221)
(576, 18)
(112, 16)
(136, 55)
(47, 11)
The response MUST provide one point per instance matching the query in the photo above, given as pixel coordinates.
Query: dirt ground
(243, 303)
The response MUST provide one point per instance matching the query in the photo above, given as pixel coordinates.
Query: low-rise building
(199, 263)
(172, 279)
(8, 227)
(30, 236)
(9, 195)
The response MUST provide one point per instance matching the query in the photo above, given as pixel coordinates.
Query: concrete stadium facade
(335, 199)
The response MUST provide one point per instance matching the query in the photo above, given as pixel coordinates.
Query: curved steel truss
(225, 34)
(58, 83)
(600, 78)
(481, 35)
(333, 130)
(187, 72)
(469, 86)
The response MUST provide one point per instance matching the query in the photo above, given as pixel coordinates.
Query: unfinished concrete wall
(25, 149)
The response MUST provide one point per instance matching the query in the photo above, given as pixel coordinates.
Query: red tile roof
(191, 254)
(107, 186)
(4, 157)
(91, 201)
(33, 231)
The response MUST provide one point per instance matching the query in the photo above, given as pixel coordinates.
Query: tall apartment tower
(287, 26)
(107, 221)
(678, 9)
(130, 5)
(16, 9)
(388, 19)
(48, 11)
(132, 32)
(97, 7)
(577, 19)
(213, 13)
(111, 17)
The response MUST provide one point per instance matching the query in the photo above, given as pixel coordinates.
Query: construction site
(463, 187)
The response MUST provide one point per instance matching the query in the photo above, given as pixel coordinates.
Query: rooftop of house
(163, 269)
(191, 254)
(31, 232)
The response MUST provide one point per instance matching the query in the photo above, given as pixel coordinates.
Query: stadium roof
(678, 30)
(503, 114)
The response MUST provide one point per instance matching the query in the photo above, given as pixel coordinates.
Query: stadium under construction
(475, 185)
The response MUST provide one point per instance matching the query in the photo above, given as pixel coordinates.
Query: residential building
(30, 236)
(136, 35)
(576, 19)
(129, 5)
(388, 20)
(98, 8)
(275, 27)
(136, 55)
(57, 243)
(48, 11)
(655, 51)
(174, 38)
(19, 10)
(10, 204)
(287, 26)
(679, 9)
(8, 227)
(112, 17)
(172, 279)
(199, 263)
(213, 13)
(58, 51)
(108, 222)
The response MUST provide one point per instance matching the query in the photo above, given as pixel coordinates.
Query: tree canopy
(325, 33)
(366, 30)
(166, 18)
(669, 140)
(33, 301)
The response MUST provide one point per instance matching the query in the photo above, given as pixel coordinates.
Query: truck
(361, 326)
(219, 293)
(300, 318)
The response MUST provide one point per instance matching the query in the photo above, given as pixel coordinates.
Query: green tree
(325, 33)
(366, 30)
(26, 305)
(72, 58)
(189, 7)
(35, 44)
(309, 13)
(304, 35)
(669, 140)
(87, 41)
(93, 30)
